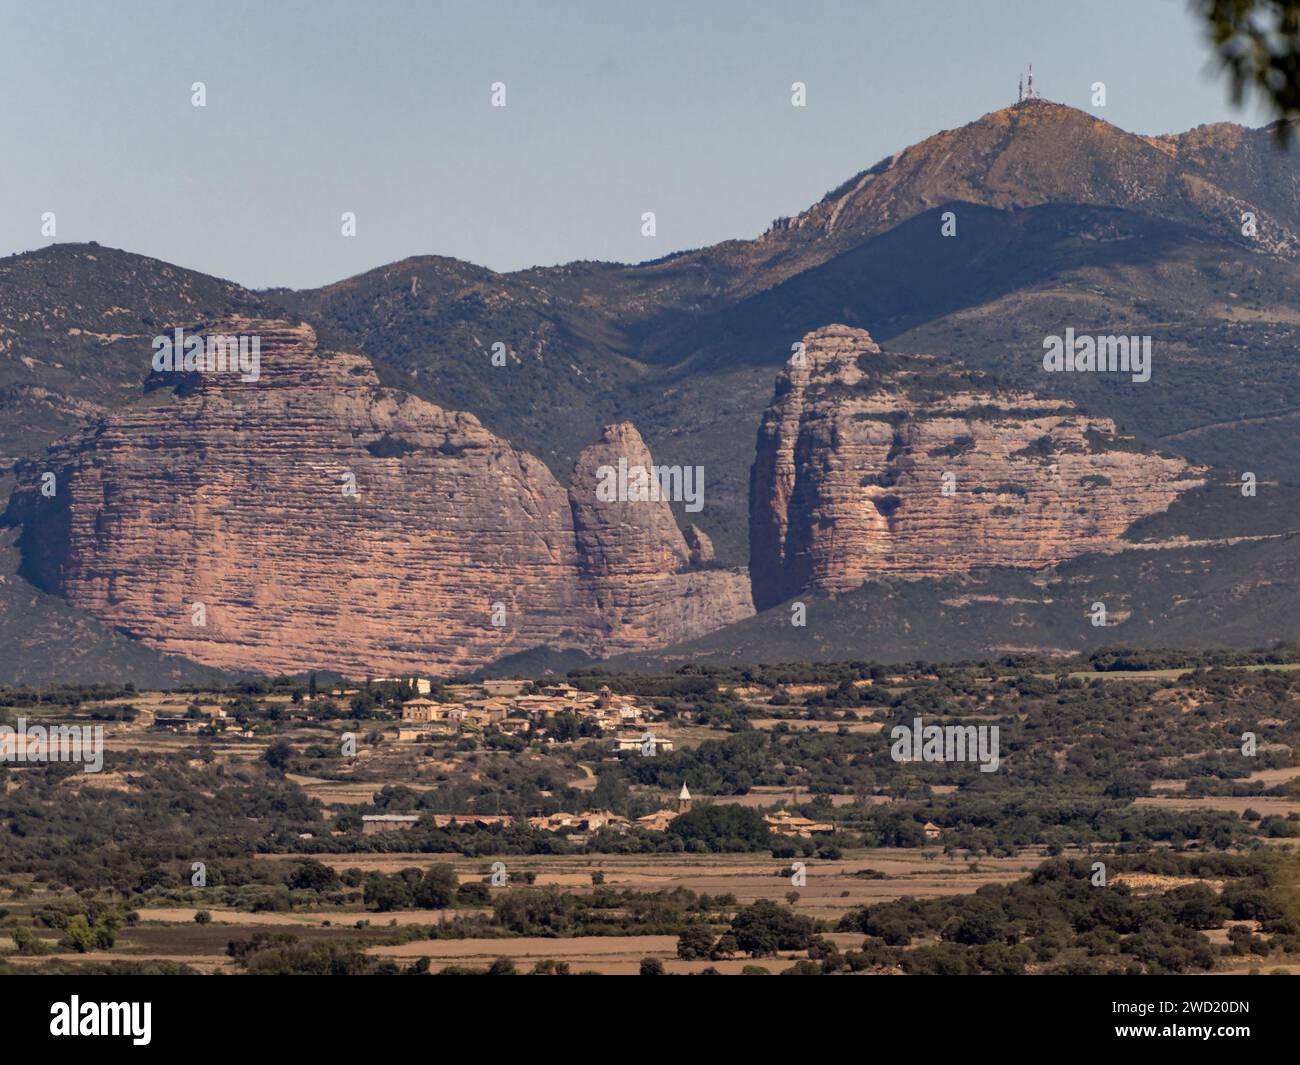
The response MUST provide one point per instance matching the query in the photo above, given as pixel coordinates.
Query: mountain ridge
(1136, 233)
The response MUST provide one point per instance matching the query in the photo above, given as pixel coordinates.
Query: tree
(652, 967)
(1258, 42)
(312, 875)
(976, 928)
(385, 893)
(437, 888)
(1197, 906)
(27, 942)
(502, 967)
(78, 935)
(725, 947)
(764, 928)
(279, 754)
(723, 828)
(473, 893)
(695, 941)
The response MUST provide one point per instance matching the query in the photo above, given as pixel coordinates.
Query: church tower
(684, 800)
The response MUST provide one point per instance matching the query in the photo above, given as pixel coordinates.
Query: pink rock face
(622, 539)
(634, 555)
(871, 464)
(313, 519)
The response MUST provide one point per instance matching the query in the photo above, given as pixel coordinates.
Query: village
(577, 827)
(603, 713)
(555, 713)
(551, 714)
(544, 714)
(538, 716)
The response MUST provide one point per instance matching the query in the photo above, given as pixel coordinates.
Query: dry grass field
(833, 887)
(1264, 804)
(608, 955)
(161, 925)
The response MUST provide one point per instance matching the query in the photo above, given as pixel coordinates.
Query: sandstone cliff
(313, 519)
(633, 555)
(855, 451)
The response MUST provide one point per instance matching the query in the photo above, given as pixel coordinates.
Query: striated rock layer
(638, 564)
(855, 451)
(313, 519)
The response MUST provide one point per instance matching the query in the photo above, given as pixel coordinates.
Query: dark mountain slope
(1242, 595)
(435, 322)
(76, 322)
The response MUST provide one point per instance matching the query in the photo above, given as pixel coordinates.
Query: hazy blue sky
(383, 108)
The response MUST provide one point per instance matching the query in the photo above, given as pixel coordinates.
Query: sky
(383, 108)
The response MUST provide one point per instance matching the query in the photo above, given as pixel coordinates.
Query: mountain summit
(1037, 152)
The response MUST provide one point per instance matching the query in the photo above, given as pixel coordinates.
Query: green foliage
(695, 941)
(721, 828)
(81, 936)
(437, 888)
(1258, 42)
(1057, 915)
(765, 927)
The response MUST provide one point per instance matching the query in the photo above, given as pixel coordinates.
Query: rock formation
(871, 464)
(633, 554)
(313, 519)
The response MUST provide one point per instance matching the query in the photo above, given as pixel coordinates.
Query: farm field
(535, 832)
